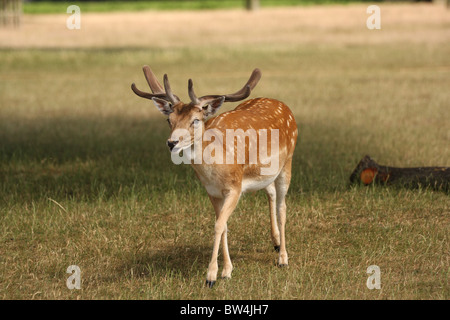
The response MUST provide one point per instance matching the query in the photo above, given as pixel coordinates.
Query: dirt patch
(417, 23)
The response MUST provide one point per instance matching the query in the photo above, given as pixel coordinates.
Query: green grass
(109, 6)
(86, 178)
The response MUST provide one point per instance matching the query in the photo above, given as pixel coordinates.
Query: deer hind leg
(275, 231)
(282, 185)
(224, 208)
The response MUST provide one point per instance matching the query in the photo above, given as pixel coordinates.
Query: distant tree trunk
(10, 12)
(252, 5)
(368, 172)
(3, 18)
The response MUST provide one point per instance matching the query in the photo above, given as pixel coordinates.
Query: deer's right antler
(153, 83)
(156, 87)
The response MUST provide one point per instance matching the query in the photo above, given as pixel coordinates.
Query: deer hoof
(210, 284)
(277, 248)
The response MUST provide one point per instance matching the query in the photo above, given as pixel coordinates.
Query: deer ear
(164, 106)
(212, 106)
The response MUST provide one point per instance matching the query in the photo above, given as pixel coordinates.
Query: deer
(226, 182)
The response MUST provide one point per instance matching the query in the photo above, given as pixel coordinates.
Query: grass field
(86, 178)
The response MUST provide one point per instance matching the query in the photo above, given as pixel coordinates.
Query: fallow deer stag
(225, 181)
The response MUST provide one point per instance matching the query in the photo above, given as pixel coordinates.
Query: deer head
(192, 115)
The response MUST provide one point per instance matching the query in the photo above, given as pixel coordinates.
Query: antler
(153, 83)
(237, 96)
(173, 98)
(157, 89)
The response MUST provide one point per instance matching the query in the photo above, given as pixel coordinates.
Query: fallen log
(368, 171)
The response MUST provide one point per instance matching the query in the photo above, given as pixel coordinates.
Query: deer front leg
(229, 203)
(227, 266)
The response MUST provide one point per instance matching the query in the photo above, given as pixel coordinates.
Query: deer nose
(171, 144)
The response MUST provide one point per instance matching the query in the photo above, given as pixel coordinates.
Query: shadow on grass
(181, 260)
(185, 261)
(85, 158)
